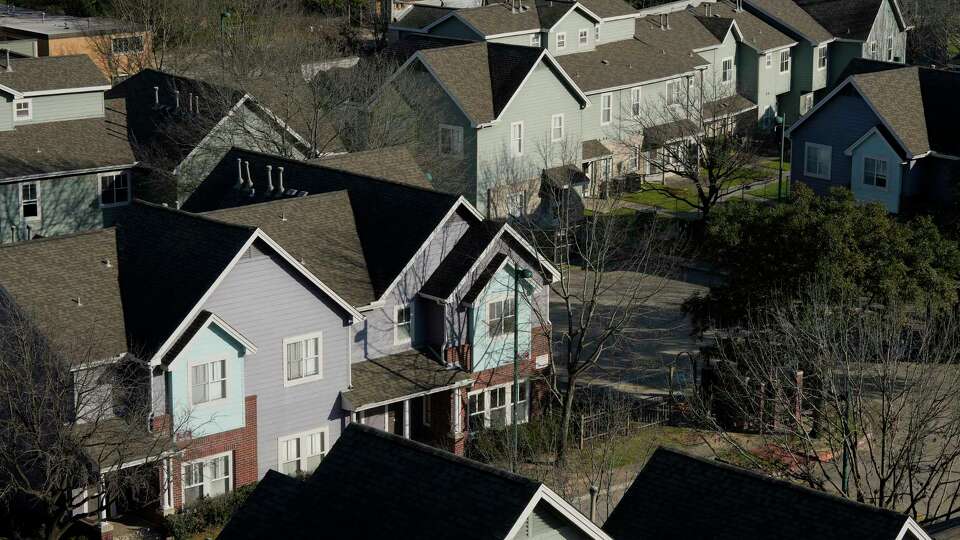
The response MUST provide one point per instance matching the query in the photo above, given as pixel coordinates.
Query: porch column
(406, 419)
(102, 498)
(166, 488)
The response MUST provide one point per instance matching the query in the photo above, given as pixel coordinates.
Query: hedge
(207, 512)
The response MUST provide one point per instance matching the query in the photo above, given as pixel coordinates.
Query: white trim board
(564, 508)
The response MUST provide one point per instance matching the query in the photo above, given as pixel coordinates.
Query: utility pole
(518, 274)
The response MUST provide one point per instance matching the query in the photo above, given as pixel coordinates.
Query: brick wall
(539, 345)
(461, 354)
(242, 443)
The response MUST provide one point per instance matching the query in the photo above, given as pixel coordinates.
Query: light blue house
(885, 135)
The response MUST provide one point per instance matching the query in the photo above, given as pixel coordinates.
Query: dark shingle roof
(392, 377)
(56, 147)
(413, 490)
(484, 278)
(685, 34)
(395, 163)
(461, 258)
(788, 13)
(408, 45)
(681, 496)
(37, 74)
(420, 16)
(69, 290)
(593, 149)
(847, 19)
(756, 33)
(609, 8)
(499, 17)
(624, 62)
(320, 232)
(656, 135)
(564, 176)
(727, 106)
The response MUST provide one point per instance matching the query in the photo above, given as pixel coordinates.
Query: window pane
(200, 384)
(294, 355)
(192, 494)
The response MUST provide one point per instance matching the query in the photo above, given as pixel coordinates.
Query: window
(451, 140)
(635, 159)
(583, 37)
(129, 44)
(493, 407)
(875, 172)
(22, 110)
(635, 95)
(516, 138)
(561, 40)
(817, 162)
(501, 318)
(498, 407)
(303, 452)
(784, 61)
(726, 74)
(556, 127)
(768, 58)
(596, 33)
(114, 189)
(302, 358)
(806, 103)
(207, 477)
(535, 40)
(822, 57)
(873, 49)
(403, 324)
(426, 410)
(208, 381)
(890, 49)
(30, 201)
(606, 108)
(523, 409)
(477, 409)
(675, 92)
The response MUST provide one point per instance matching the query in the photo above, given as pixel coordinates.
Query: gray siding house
(887, 136)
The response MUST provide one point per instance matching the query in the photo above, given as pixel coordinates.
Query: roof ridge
(210, 213)
(785, 483)
(91, 232)
(198, 217)
(442, 454)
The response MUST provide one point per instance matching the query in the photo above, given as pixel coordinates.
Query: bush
(207, 512)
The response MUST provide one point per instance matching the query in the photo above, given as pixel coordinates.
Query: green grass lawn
(637, 448)
(769, 191)
(773, 164)
(650, 197)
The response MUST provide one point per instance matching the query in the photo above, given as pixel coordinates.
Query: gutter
(60, 174)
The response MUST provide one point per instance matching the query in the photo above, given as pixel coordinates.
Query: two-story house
(829, 34)
(888, 136)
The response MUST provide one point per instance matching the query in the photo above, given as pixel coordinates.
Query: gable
(453, 27)
(544, 82)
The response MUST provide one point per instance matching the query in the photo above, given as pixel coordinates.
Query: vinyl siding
(713, 87)
(886, 26)
(264, 300)
(571, 24)
(878, 148)
(65, 107)
(545, 523)
(491, 351)
(618, 30)
(841, 53)
(455, 28)
(522, 39)
(6, 113)
(770, 82)
(26, 47)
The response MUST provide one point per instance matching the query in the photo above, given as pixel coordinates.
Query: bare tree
(935, 35)
(858, 402)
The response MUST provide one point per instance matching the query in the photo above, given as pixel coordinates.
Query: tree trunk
(566, 419)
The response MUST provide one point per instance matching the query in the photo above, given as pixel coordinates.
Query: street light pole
(518, 274)
(781, 121)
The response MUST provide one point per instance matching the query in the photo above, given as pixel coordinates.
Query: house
(885, 135)
(66, 163)
(681, 496)
(829, 34)
(410, 487)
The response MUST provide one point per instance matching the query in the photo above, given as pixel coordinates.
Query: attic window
(22, 110)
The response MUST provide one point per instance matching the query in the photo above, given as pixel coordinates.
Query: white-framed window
(784, 61)
(889, 48)
(822, 57)
(806, 103)
(583, 37)
(873, 50)
(606, 109)
(114, 189)
(402, 324)
(207, 477)
(208, 381)
(30, 201)
(493, 407)
(516, 138)
(675, 92)
(127, 44)
(635, 158)
(875, 172)
(302, 358)
(22, 110)
(768, 60)
(301, 453)
(596, 33)
(426, 410)
(817, 160)
(535, 40)
(561, 40)
(501, 318)
(726, 70)
(451, 140)
(636, 94)
(556, 127)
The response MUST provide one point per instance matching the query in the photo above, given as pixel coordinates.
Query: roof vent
(77, 300)
(106, 262)
(269, 178)
(246, 165)
(302, 193)
(290, 193)
(283, 215)
(9, 65)
(239, 173)
(604, 61)
(280, 181)
(156, 96)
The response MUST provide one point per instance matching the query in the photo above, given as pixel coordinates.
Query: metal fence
(628, 420)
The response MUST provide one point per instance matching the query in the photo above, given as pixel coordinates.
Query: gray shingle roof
(609, 8)
(499, 17)
(55, 147)
(623, 63)
(670, 131)
(374, 484)
(395, 163)
(727, 106)
(564, 175)
(593, 149)
(454, 267)
(681, 496)
(45, 73)
(70, 292)
(756, 32)
(847, 19)
(685, 34)
(788, 13)
(403, 374)
(420, 16)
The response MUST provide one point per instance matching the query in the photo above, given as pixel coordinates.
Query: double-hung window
(768, 58)
(806, 102)
(784, 61)
(501, 319)
(30, 201)
(817, 161)
(523, 404)
(516, 138)
(451, 140)
(726, 74)
(875, 172)
(302, 453)
(675, 92)
(889, 48)
(561, 40)
(303, 358)
(596, 33)
(477, 410)
(493, 406)
(873, 50)
(497, 398)
(403, 324)
(516, 204)
(606, 109)
(207, 477)
(556, 127)
(535, 40)
(635, 95)
(822, 57)
(583, 37)
(114, 189)
(208, 381)
(22, 110)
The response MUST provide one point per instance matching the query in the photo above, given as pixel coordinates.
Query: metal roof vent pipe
(246, 165)
(156, 96)
(196, 106)
(739, 5)
(269, 178)
(239, 173)
(190, 103)
(176, 99)
(279, 181)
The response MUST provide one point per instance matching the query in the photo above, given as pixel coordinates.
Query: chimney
(279, 180)
(239, 173)
(176, 98)
(156, 95)
(269, 178)
(246, 165)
